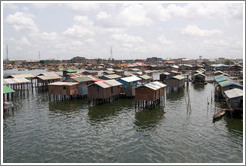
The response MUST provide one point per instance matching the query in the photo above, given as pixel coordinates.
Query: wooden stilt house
(7, 97)
(63, 90)
(104, 91)
(44, 79)
(150, 94)
(128, 85)
(175, 83)
(234, 99)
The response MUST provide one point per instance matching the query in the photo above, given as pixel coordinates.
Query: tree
(229, 62)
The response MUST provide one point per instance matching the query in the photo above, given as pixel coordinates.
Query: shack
(7, 97)
(104, 91)
(73, 75)
(89, 72)
(65, 72)
(149, 95)
(119, 72)
(83, 81)
(63, 90)
(18, 84)
(198, 78)
(164, 76)
(28, 76)
(128, 85)
(234, 99)
(175, 83)
(44, 79)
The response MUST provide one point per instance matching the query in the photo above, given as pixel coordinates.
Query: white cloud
(194, 30)
(78, 31)
(10, 6)
(134, 15)
(22, 21)
(125, 38)
(103, 15)
(82, 7)
(83, 20)
(25, 41)
(49, 36)
(163, 40)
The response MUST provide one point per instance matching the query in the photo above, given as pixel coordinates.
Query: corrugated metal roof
(145, 77)
(50, 77)
(199, 74)
(113, 82)
(221, 78)
(74, 74)
(71, 71)
(15, 81)
(112, 76)
(131, 79)
(228, 83)
(63, 83)
(166, 73)
(49, 74)
(7, 90)
(29, 75)
(93, 78)
(179, 77)
(102, 84)
(233, 93)
(154, 85)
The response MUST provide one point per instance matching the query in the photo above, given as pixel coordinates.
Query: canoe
(219, 114)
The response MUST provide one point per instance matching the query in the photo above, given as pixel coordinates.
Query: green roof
(7, 90)
(71, 71)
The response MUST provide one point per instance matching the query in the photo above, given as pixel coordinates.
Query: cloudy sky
(133, 30)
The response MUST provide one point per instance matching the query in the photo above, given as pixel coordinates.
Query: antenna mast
(7, 53)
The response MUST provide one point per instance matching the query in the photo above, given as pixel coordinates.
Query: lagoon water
(41, 131)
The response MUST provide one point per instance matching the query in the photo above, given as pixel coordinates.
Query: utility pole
(111, 53)
(39, 55)
(7, 53)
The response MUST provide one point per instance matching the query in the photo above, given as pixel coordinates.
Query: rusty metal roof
(29, 75)
(49, 74)
(50, 77)
(113, 82)
(74, 74)
(15, 81)
(108, 83)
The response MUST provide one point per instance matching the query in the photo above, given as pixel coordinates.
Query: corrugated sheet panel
(15, 81)
(221, 78)
(131, 79)
(92, 77)
(151, 86)
(63, 83)
(113, 76)
(7, 90)
(29, 75)
(159, 84)
(146, 77)
(102, 84)
(233, 93)
(74, 74)
(113, 82)
(229, 82)
(50, 77)
(179, 77)
(49, 74)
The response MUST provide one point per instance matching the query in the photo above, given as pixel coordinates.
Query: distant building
(153, 60)
(78, 59)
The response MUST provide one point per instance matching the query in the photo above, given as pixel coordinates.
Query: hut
(175, 83)
(164, 76)
(224, 85)
(65, 72)
(44, 79)
(119, 72)
(83, 81)
(7, 97)
(110, 77)
(108, 72)
(104, 91)
(148, 72)
(174, 73)
(63, 90)
(149, 95)
(128, 85)
(28, 76)
(234, 99)
(198, 78)
(18, 84)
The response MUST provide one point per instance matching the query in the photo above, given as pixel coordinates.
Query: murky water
(72, 132)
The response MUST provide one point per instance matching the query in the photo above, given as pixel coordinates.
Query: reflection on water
(199, 87)
(176, 95)
(147, 119)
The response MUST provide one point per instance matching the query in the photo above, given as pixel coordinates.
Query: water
(40, 131)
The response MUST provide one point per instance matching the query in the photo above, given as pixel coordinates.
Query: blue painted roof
(221, 78)
(219, 65)
(228, 83)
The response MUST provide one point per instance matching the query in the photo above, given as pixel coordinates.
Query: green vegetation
(229, 62)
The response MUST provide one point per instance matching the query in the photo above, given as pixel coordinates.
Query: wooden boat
(219, 114)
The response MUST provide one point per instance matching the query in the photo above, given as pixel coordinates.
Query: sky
(134, 30)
